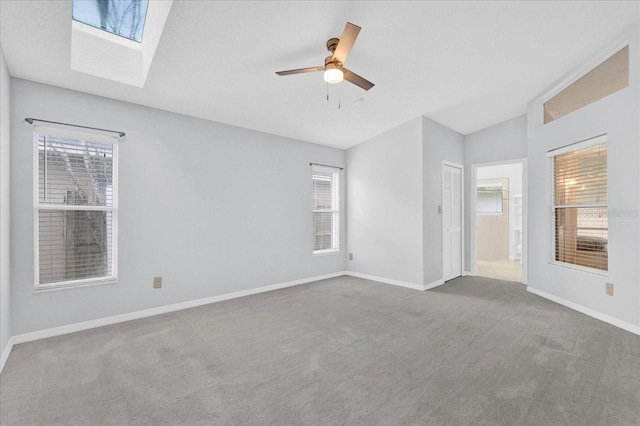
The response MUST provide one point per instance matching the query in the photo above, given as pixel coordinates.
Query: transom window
(75, 203)
(605, 79)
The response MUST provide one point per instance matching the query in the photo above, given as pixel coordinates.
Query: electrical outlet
(609, 289)
(157, 282)
(439, 209)
(350, 256)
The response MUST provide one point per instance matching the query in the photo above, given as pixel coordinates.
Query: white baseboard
(433, 285)
(71, 328)
(467, 274)
(587, 311)
(412, 286)
(5, 353)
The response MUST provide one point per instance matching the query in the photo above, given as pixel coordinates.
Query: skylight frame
(109, 56)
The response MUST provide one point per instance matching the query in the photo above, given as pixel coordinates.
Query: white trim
(467, 274)
(587, 311)
(419, 287)
(69, 284)
(551, 187)
(474, 218)
(576, 146)
(434, 284)
(63, 131)
(580, 268)
(71, 328)
(71, 132)
(335, 194)
(326, 251)
(462, 245)
(6, 353)
(126, 61)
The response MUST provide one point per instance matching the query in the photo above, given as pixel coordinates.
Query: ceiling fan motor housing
(332, 44)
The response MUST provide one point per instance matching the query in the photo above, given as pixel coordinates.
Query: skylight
(124, 18)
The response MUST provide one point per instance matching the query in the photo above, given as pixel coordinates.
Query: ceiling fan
(334, 71)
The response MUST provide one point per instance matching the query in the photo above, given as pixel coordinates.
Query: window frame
(335, 234)
(537, 109)
(552, 210)
(63, 132)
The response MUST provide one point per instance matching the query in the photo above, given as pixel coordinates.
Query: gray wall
(617, 116)
(5, 119)
(211, 208)
(439, 143)
(502, 142)
(384, 188)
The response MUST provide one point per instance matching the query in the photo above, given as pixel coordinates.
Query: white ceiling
(465, 64)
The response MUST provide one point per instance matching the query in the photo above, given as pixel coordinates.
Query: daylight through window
(326, 215)
(76, 210)
(580, 204)
(124, 18)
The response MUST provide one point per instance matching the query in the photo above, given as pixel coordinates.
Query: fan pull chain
(327, 91)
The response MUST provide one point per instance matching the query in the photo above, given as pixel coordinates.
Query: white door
(451, 222)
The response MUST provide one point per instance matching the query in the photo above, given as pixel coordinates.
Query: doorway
(452, 227)
(499, 221)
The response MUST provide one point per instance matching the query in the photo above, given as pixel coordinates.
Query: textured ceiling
(467, 65)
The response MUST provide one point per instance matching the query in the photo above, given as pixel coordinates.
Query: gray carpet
(340, 351)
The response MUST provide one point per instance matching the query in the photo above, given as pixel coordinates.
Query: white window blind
(580, 204)
(76, 209)
(326, 209)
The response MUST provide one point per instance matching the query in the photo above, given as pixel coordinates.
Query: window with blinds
(326, 210)
(76, 210)
(580, 204)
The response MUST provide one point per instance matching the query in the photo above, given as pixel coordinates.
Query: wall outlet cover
(609, 289)
(157, 282)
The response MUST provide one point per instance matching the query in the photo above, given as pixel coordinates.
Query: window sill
(325, 252)
(579, 268)
(69, 285)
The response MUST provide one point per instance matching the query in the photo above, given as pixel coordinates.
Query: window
(607, 78)
(75, 205)
(326, 210)
(580, 204)
(489, 199)
(124, 18)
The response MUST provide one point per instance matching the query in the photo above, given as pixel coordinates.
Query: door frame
(462, 216)
(473, 241)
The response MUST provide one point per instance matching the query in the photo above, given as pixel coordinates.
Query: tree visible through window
(76, 211)
(580, 204)
(325, 209)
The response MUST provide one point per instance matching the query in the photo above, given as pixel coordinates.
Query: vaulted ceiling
(465, 64)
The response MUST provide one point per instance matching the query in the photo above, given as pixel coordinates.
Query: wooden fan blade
(354, 78)
(345, 44)
(300, 70)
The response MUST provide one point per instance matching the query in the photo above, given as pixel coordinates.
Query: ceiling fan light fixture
(333, 64)
(333, 76)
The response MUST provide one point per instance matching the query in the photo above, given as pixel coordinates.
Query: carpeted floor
(341, 351)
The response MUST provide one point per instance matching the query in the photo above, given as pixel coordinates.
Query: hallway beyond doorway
(503, 269)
